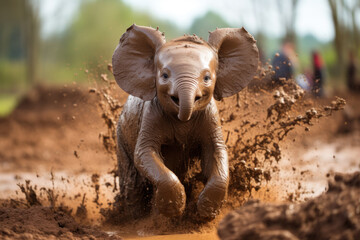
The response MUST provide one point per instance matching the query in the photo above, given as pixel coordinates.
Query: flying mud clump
(253, 156)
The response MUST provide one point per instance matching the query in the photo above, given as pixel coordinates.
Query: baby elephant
(171, 117)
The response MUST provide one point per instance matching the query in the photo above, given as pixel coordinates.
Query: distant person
(351, 81)
(318, 75)
(282, 64)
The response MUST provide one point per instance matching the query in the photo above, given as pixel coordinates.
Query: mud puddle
(195, 236)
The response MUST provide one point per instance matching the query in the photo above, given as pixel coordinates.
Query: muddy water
(195, 236)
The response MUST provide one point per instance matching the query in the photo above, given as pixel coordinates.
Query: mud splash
(254, 146)
(254, 156)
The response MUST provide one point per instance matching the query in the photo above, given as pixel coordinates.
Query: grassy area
(12, 74)
(7, 104)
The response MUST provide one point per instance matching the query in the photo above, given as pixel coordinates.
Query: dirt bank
(333, 215)
(38, 222)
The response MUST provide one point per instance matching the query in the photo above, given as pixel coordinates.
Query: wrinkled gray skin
(171, 117)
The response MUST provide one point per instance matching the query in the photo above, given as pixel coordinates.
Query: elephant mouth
(183, 107)
(175, 100)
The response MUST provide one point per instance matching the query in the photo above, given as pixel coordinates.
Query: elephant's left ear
(133, 61)
(238, 60)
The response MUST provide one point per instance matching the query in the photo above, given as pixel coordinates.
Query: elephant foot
(170, 199)
(211, 199)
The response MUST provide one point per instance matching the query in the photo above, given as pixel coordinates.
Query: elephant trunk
(187, 95)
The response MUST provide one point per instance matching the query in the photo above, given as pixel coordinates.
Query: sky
(313, 16)
(56, 14)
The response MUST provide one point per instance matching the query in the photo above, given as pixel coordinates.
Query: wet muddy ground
(56, 149)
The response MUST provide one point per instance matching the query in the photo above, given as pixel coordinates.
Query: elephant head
(185, 73)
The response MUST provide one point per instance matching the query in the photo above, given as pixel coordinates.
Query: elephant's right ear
(133, 61)
(238, 60)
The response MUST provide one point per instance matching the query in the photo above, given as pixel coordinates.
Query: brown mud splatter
(251, 156)
(253, 146)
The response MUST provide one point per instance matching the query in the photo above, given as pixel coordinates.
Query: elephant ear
(133, 61)
(238, 60)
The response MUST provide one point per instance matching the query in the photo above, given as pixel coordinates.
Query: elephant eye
(165, 76)
(207, 78)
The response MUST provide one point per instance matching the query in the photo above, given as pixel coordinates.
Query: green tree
(19, 41)
(209, 22)
(347, 33)
(92, 36)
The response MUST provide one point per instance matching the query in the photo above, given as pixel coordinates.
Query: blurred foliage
(7, 104)
(209, 22)
(82, 50)
(90, 40)
(19, 40)
(347, 31)
(12, 75)
(12, 34)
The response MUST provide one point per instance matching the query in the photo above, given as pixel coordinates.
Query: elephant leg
(135, 191)
(215, 168)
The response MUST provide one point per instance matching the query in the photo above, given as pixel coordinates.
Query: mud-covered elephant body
(172, 117)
